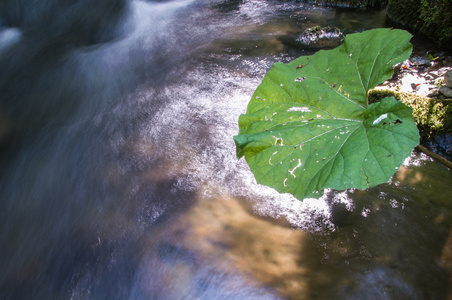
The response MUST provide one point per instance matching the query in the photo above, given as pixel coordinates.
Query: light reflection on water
(121, 181)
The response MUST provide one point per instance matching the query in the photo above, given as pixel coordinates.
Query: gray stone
(434, 93)
(429, 77)
(434, 74)
(443, 71)
(448, 79)
(446, 91)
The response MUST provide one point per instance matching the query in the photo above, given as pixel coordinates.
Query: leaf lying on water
(309, 127)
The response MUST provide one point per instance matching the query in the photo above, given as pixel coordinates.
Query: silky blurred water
(119, 178)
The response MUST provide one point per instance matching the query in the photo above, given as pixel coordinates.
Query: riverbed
(119, 177)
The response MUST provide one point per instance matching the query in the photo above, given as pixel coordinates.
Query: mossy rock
(432, 116)
(354, 3)
(319, 37)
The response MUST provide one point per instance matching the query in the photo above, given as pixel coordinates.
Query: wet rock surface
(316, 38)
(321, 37)
(441, 144)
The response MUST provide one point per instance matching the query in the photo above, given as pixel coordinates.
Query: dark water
(118, 171)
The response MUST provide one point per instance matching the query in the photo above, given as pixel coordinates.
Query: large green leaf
(309, 127)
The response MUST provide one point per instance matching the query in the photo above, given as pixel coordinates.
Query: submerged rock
(441, 144)
(446, 259)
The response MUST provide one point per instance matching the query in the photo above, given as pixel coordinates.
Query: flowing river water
(119, 178)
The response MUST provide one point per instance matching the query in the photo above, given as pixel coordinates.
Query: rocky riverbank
(425, 84)
(429, 17)
(352, 3)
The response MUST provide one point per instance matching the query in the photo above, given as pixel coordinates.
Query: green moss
(439, 81)
(432, 116)
(436, 18)
(404, 11)
(432, 17)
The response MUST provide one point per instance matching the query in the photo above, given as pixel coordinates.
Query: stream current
(119, 178)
